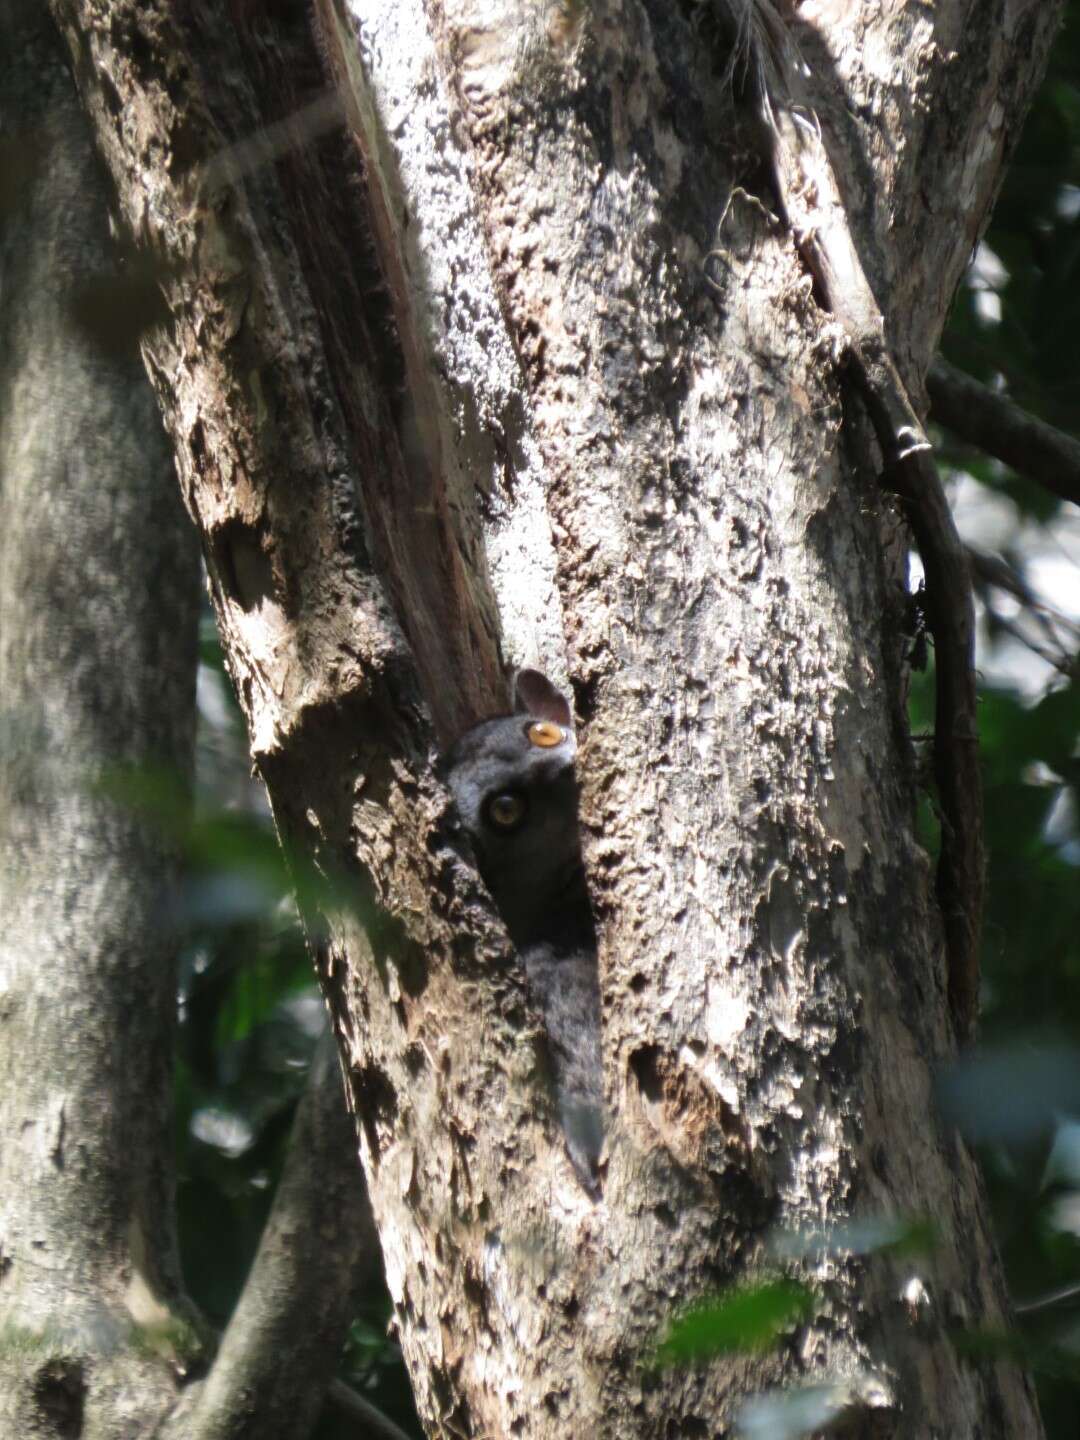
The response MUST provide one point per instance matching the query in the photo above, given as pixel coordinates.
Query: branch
(993, 572)
(281, 1346)
(1003, 429)
(346, 1403)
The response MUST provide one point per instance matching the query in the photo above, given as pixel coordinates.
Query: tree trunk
(529, 368)
(98, 606)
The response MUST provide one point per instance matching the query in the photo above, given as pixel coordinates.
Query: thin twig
(1044, 1302)
(993, 572)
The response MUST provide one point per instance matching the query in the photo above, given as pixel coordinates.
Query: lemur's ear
(534, 694)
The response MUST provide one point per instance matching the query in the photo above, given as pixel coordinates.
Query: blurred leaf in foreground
(745, 1319)
(1012, 1094)
(868, 1235)
(787, 1414)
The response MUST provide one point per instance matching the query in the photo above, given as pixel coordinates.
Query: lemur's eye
(545, 733)
(506, 810)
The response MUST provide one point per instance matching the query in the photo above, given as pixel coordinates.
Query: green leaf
(750, 1318)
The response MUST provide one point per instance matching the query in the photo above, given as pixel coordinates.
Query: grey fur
(536, 877)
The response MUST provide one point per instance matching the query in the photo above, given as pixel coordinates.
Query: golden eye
(506, 811)
(545, 733)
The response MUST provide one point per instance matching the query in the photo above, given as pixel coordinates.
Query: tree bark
(456, 390)
(99, 610)
(99, 604)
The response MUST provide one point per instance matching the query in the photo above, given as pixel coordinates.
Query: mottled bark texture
(459, 386)
(98, 626)
(98, 608)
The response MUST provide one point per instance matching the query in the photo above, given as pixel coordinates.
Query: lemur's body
(513, 782)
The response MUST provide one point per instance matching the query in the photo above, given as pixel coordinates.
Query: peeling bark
(453, 389)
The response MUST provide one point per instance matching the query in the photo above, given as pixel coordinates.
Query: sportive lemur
(512, 779)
